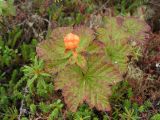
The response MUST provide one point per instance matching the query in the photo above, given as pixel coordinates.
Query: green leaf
(91, 85)
(141, 108)
(24, 118)
(33, 108)
(44, 108)
(54, 114)
(120, 28)
(155, 117)
(136, 28)
(41, 87)
(116, 34)
(31, 81)
(52, 51)
(79, 60)
(110, 30)
(117, 52)
(7, 7)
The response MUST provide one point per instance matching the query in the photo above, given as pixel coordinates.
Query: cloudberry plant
(88, 64)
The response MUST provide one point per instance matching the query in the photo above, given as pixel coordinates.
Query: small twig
(22, 111)
(91, 24)
(101, 7)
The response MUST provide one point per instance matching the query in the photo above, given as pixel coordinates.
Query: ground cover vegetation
(79, 60)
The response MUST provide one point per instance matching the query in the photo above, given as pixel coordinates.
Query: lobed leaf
(116, 34)
(117, 52)
(123, 27)
(91, 85)
(111, 30)
(137, 29)
(53, 51)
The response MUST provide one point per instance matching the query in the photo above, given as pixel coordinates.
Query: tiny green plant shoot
(34, 73)
(87, 63)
